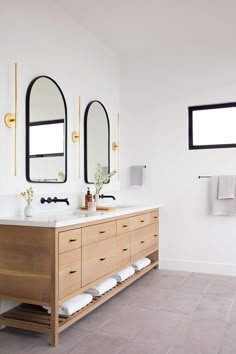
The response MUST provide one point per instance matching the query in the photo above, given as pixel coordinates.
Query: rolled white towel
(124, 274)
(73, 305)
(142, 263)
(102, 287)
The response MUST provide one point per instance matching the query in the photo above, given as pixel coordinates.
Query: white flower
(28, 195)
(100, 179)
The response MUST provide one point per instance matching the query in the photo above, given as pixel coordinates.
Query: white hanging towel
(220, 206)
(136, 176)
(226, 187)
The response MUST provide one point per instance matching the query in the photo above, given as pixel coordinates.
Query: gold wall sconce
(75, 136)
(116, 144)
(11, 119)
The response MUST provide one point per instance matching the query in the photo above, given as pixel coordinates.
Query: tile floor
(164, 312)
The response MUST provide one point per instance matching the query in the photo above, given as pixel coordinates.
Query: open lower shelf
(35, 318)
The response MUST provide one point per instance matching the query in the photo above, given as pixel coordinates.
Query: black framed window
(212, 126)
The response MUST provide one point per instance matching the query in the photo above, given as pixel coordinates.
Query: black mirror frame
(27, 109)
(86, 140)
(191, 109)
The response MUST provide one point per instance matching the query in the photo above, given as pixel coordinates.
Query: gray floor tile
(161, 326)
(223, 287)
(150, 298)
(16, 341)
(126, 324)
(100, 344)
(212, 306)
(232, 315)
(204, 336)
(140, 347)
(196, 283)
(68, 340)
(95, 320)
(180, 301)
(228, 344)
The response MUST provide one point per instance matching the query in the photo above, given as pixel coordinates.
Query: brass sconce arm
(75, 136)
(11, 119)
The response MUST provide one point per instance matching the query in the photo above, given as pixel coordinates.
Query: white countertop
(73, 217)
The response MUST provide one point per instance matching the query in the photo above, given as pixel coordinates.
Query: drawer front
(154, 216)
(98, 259)
(69, 240)
(143, 240)
(123, 249)
(98, 232)
(140, 221)
(123, 226)
(69, 272)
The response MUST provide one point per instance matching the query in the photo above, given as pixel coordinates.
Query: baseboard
(195, 266)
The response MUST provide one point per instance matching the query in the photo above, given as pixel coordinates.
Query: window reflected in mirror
(212, 126)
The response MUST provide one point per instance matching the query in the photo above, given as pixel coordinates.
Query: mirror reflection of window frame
(86, 117)
(52, 123)
(192, 125)
(34, 123)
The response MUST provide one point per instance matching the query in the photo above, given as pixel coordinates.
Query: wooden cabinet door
(98, 259)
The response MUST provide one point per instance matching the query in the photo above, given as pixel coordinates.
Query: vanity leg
(54, 339)
(54, 327)
(54, 292)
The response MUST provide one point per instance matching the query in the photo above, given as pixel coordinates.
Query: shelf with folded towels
(28, 314)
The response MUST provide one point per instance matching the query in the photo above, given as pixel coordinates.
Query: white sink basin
(67, 215)
(124, 206)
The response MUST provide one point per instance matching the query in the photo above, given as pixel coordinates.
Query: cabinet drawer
(123, 250)
(98, 232)
(123, 226)
(98, 259)
(143, 240)
(69, 240)
(140, 221)
(154, 216)
(69, 272)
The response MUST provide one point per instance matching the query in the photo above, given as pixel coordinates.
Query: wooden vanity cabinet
(48, 266)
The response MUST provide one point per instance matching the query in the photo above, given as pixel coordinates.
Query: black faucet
(54, 200)
(106, 196)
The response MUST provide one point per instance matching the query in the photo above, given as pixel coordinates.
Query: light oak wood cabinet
(48, 266)
(98, 259)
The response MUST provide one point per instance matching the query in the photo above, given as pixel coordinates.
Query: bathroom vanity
(45, 261)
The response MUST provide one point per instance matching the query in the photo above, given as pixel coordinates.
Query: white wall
(156, 90)
(44, 40)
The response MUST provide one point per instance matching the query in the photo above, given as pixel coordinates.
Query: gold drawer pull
(125, 249)
(72, 271)
(102, 232)
(102, 259)
(125, 225)
(73, 240)
(155, 235)
(142, 241)
(141, 220)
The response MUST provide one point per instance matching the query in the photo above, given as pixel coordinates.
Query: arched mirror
(46, 132)
(96, 140)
